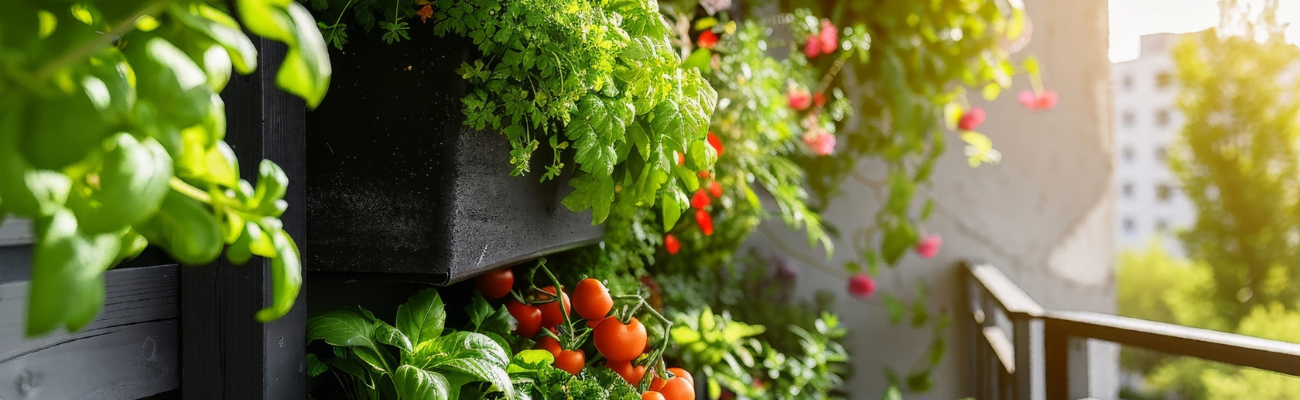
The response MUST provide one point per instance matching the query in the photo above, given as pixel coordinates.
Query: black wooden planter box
(397, 184)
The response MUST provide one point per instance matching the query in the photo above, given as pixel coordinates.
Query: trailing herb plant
(111, 140)
(599, 77)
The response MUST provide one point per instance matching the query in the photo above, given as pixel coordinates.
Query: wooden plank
(227, 353)
(129, 351)
(15, 231)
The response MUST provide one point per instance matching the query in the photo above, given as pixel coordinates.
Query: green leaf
(422, 317)
(415, 383)
(133, 180)
(306, 69)
(315, 366)
(698, 59)
(463, 345)
(591, 191)
(674, 203)
(892, 394)
(894, 307)
(222, 29)
(341, 328)
(387, 334)
(597, 124)
(920, 382)
(67, 284)
(898, 239)
(185, 228)
(533, 358)
(920, 314)
(485, 371)
(286, 277)
(937, 349)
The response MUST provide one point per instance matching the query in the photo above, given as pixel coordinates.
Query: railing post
(1028, 339)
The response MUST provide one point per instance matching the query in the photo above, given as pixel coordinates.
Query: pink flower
(820, 141)
(813, 47)
(1044, 101)
(929, 246)
(861, 285)
(830, 37)
(799, 98)
(971, 119)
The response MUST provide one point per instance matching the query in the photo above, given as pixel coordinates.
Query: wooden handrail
(1009, 296)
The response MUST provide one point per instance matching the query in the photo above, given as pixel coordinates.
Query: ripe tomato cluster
(544, 314)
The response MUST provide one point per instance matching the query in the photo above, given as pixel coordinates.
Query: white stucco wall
(1045, 215)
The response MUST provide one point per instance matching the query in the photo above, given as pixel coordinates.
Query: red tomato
(681, 373)
(551, 311)
(625, 369)
(652, 396)
(549, 344)
(672, 244)
(495, 284)
(592, 299)
(700, 199)
(571, 361)
(529, 318)
(619, 342)
(678, 389)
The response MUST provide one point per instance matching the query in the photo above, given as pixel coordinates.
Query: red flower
(798, 98)
(705, 220)
(971, 119)
(819, 99)
(820, 141)
(671, 243)
(929, 246)
(700, 199)
(861, 285)
(1038, 101)
(707, 40)
(715, 142)
(715, 189)
(830, 37)
(425, 13)
(813, 47)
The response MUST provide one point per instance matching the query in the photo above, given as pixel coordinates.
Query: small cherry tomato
(652, 395)
(625, 369)
(591, 300)
(495, 284)
(681, 373)
(528, 318)
(619, 342)
(549, 344)
(571, 361)
(657, 383)
(551, 311)
(678, 388)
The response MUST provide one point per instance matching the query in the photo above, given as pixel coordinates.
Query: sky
(1130, 19)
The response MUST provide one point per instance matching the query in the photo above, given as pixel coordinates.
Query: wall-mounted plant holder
(397, 184)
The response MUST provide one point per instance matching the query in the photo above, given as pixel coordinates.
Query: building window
(1129, 119)
(1129, 225)
(1162, 226)
(1162, 118)
(1129, 154)
(1162, 154)
(1127, 190)
(1128, 82)
(1164, 193)
(1164, 80)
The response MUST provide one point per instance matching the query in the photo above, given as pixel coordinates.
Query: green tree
(1237, 158)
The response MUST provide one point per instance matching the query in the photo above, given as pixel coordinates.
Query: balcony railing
(1021, 351)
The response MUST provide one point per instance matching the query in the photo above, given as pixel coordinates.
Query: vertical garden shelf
(397, 185)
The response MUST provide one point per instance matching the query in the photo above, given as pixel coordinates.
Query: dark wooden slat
(129, 351)
(227, 353)
(15, 231)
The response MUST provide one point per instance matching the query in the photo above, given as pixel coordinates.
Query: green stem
(559, 295)
(186, 189)
(341, 12)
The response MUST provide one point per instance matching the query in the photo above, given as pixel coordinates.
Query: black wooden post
(226, 352)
